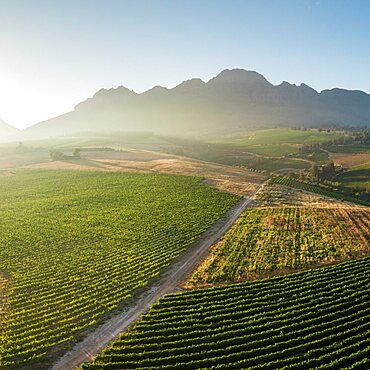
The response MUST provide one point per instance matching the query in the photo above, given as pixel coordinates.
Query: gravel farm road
(173, 277)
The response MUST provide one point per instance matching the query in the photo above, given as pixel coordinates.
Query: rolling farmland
(79, 245)
(275, 142)
(184, 185)
(74, 245)
(315, 319)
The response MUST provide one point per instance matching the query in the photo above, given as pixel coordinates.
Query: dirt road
(173, 277)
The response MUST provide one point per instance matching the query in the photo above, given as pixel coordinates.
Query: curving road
(174, 276)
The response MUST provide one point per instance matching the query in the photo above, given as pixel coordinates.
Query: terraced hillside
(318, 319)
(74, 245)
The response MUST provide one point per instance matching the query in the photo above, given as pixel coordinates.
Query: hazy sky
(54, 54)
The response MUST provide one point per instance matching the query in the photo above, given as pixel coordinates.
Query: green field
(268, 241)
(356, 177)
(275, 164)
(353, 149)
(274, 150)
(318, 319)
(275, 142)
(74, 245)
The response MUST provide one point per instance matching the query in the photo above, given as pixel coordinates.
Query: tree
(55, 155)
(328, 171)
(315, 173)
(77, 153)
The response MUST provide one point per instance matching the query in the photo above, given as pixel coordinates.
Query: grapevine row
(271, 324)
(75, 245)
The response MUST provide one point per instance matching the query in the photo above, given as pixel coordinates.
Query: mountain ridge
(233, 99)
(7, 130)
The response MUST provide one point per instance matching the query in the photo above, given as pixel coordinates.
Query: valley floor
(273, 230)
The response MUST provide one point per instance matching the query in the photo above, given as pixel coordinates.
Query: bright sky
(56, 53)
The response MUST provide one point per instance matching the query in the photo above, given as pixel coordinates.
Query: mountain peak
(239, 76)
(286, 84)
(234, 99)
(120, 90)
(303, 88)
(191, 84)
(307, 88)
(156, 90)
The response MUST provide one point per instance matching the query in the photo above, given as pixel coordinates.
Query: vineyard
(316, 189)
(349, 149)
(318, 319)
(74, 245)
(267, 241)
(357, 177)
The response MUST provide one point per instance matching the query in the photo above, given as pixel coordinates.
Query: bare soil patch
(350, 160)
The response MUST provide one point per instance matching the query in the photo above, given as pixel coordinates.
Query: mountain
(6, 130)
(234, 99)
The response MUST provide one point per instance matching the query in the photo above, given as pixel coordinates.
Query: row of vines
(318, 319)
(74, 245)
(267, 241)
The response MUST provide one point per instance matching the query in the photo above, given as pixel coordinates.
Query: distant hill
(6, 130)
(235, 99)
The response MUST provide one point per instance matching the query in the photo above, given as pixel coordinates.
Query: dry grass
(266, 242)
(226, 178)
(11, 159)
(274, 195)
(286, 230)
(350, 160)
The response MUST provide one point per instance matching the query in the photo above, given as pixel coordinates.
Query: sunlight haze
(57, 54)
(184, 184)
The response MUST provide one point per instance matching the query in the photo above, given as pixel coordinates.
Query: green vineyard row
(315, 319)
(74, 245)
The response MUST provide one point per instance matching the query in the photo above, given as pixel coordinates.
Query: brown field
(10, 160)
(350, 160)
(226, 178)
